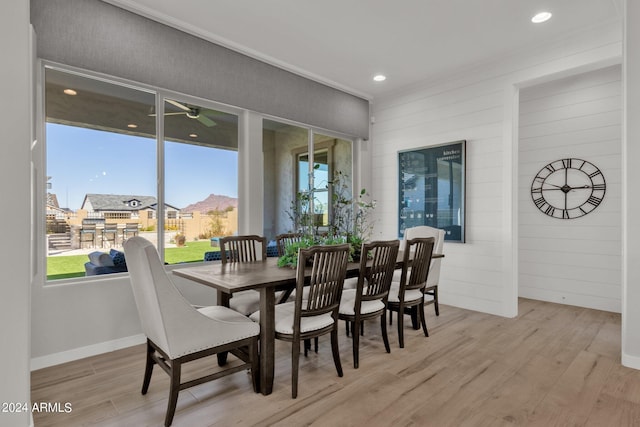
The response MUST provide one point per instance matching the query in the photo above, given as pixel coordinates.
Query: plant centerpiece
(351, 216)
(349, 221)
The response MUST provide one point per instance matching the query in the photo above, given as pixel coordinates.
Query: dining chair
(246, 248)
(369, 299)
(431, 290)
(243, 248)
(178, 333)
(285, 239)
(316, 315)
(409, 292)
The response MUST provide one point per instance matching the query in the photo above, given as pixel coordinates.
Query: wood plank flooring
(553, 365)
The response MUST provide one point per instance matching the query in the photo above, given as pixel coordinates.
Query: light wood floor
(552, 365)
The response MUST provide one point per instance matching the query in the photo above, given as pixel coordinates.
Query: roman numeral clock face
(568, 188)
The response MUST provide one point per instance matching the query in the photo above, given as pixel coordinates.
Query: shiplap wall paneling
(472, 111)
(577, 261)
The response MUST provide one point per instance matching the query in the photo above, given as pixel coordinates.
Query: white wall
(478, 105)
(576, 261)
(631, 201)
(15, 190)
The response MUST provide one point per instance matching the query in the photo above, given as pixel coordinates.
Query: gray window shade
(97, 36)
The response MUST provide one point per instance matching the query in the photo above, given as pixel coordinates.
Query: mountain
(212, 203)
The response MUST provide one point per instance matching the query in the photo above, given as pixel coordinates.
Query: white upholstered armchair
(177, 332)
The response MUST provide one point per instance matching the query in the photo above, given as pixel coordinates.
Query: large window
(103, 181)
(201, 170)
(300, 166)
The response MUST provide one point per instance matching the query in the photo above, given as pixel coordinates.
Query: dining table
(266, 278)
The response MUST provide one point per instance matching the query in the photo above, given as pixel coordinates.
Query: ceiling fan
(190, 112)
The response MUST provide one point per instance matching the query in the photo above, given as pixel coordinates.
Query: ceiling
(344, 43)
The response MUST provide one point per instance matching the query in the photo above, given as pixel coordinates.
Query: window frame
(248, 136)
(39, 159)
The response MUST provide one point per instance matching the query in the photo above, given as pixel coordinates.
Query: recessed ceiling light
(70, 92)
(132, 125)
(379, 78)
(541, 17)
(193, 135)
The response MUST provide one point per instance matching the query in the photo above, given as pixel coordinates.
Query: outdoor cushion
(348, 300)
(284, 319)
(101, 259)
(118, 258)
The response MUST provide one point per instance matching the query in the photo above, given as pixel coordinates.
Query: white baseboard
(630, 361)
(82, 352)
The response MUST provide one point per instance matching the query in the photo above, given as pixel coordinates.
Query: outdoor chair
(130, 229)
(177, 332)
(87, 234)
(369, 299)
(409, 292)
(316, 315)
(110, 234)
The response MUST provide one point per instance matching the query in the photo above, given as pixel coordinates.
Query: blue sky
(81, 161)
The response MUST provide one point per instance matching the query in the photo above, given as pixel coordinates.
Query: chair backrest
(376, 274)
(415, 268)
(131, 226)
(110, 227)
(156, 297)
(285, 239)
(243, 248)
(88, 228)
(438, 235)
(328, 269)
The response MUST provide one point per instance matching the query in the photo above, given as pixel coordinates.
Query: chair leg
(335, 350)
(222, 358)
(383, 328)
(423, 319)
(436, 306)
(401, 326)
(148, 370)
(346, 324)
(356, 343)
(295, 361)
(173, 392)
(307, 347)
(315, 344)
(414, 317)
(255, 366)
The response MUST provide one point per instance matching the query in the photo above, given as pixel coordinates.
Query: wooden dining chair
(237, 249)
(409, 292)
(369, 299)
(316, 315)
(285, 239)
(431, 290)
(243, 248)
(177, 332)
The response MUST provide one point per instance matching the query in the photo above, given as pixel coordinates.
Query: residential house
(123, 206)
(47, 325)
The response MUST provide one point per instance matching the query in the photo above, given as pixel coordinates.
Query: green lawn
(64, 267)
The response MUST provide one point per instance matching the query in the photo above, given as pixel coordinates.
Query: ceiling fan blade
(177, 113)
(206, 120)
(177, 104)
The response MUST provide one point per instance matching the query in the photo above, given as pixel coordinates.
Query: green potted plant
(350, 216)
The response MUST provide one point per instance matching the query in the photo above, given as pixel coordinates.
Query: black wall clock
(568, 188)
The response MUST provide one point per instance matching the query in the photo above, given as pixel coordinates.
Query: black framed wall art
(431, 189)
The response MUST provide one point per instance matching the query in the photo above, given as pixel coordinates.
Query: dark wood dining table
(262, 276)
